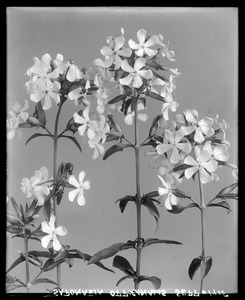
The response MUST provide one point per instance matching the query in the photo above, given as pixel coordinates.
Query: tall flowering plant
(51, 84)
(128, 77)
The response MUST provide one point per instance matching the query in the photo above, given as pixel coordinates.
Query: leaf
(38, 233)
(151, 194)
(30, 211)
(52, 265)
(114, 149)
(180, 167)
(124, 201)
(156, 74)
(14, 229)
(18, 235)
(47, 209)
(223, 204)
(207, 264)
(122, 264)
(117, 99)
(229, 196)
(153, 279)
(152, 209)
(156, 96)
(105, 253)
(154, 65)
(123, 278)
(227, 189)
(13, 220)
(40, 253)
(99, 264)
(11, 287)
(176, 209)
(72, 138)
(16, 207)
(18, 261)
(44, 280)
(78, 252)
(152, 241)
(36, 135)
(195, 264)
(180, 194)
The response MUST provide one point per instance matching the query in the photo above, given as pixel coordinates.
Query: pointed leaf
(123, 278)
(228, 189)
(99, 264)
(13, 220)
(35, 135)
(18, 235)
(180, 167)
(180, 194)
(207, 265)
(195, 264)
(223, 204)
(47, 209)
(124, 201)
(40, 253)
(38, 233)
(117, 99)
(16, 207)
(151, 241)
(176, 209)
(151, 194)
(153, 279)
(228, 196)
(72, 138)
(18, 261)
(44, 280)
(105, 253)
(114, 149)
(14, 229)
(51, 265)
(11, 287)
(30, 211)
(154, 65)
(78, 252)
(152, 209)
(122, 264)
(156, 97)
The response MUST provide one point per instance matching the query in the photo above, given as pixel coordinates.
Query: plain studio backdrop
(205, 41)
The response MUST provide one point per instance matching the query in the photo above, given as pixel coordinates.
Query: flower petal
(147, 74)
(191, 115)
(126, 80)
(189, 160)
(190, 171)
(139, 63)
(153, 40)
(174, 158)
(45, 240)
(106, 51)
(73, 194)
(81, 200)
(72, 180)
(133, 45)
(81, 176)
(61, 230)
(126, 67)
(141, 34)
(56, 244)
(162, 148)
(167, 203)
(45, 227)
(137, 81)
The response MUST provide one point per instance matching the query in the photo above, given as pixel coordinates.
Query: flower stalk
(27, 264)
(138, 204)
(202, 209)
(53, 202)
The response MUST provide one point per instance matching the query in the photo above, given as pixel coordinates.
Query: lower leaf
(156, 282)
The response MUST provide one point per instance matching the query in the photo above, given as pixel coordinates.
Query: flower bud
(40, 114)
(34, 121)
(155, 125)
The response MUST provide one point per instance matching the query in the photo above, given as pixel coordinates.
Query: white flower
(167, 190)
(80, 187)
(52, 232)
(34, 187)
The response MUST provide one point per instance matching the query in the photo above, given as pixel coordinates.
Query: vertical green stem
(202, 205)
(55, 147)
(27, 264)
(138, 204)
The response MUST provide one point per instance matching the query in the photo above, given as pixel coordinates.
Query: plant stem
(202, 205)
(27, 264)
(138, 204)
(55, 147)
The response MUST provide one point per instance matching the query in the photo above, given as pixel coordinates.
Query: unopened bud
(40, 114)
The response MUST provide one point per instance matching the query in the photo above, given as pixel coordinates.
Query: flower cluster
(186, 147)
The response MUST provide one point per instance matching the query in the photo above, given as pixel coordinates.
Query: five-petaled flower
(167, 190)
(174, 144)
(204, 164)
(100, 129)
(80, 187)
(219, 152)
(35, 186)
(85, 121)
(144, 43)
(135, 73)
(52, 232)
(47, 90)
(169, 104)
(201, 128)
(113, 53)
